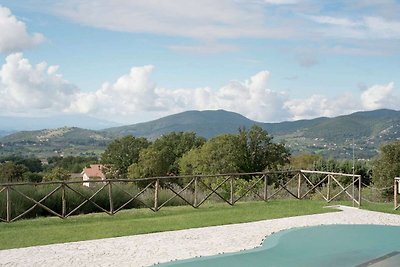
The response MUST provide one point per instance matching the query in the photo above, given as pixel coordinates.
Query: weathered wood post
(328, 188)
(265, 187)
(395, 193)
(359, 191)
(353, 191)
(63, 201)
(8, 199)
(195, 201)
(110, 197)
(231, 183)
(299, 186)
(157, 185)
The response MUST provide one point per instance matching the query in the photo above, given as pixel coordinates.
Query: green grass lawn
(52, 230)
(387, 207)
(382, 207)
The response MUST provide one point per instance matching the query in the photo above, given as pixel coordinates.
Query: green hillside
(331, 137)
(335, 136)
(207, 123)
(51, 142)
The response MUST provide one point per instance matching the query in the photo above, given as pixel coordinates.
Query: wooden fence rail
(263, 185)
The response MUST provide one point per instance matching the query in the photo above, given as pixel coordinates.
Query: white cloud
(13, 33)
(136, 93)
(39, 89)
(204, 20)
(364, 27)
(374, 97)
(320, 105)
(205, 48)
(334, 21)
(131, 93)
(281, 2)
(379, 96)
(382, 28)
(27, 89)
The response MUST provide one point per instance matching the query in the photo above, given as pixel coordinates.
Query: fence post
(195, 192)
(231, 182)
(328, 189)
(110, 197)
(353, 191)
(265, 187)
(8, 199)
(299, 186)
(395, 193)
(359, 191)
(63, 201)
(156, 195)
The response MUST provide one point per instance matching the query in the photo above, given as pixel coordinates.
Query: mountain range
(10, 125)
(332, 137)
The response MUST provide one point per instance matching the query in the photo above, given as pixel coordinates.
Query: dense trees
(16, 169)
(32, 164)
(249, 151)
(70, 163)
(362, 168)
(387, 165)
(304, 161)
(122, 153)
(161, 157)
(57, 173)
(172, 154)
(259, 152)
(11, 172)
(218, 155)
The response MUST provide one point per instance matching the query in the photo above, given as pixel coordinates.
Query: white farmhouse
(94, 172)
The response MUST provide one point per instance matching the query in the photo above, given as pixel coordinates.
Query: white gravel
(148, 249)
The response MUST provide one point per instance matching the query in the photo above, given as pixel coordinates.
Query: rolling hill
(207, 123)
(331, 137)
(55, 142)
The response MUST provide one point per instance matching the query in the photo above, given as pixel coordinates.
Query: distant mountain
(335, 137)
(55, 142)
(207, 123)
(14, 124)
(331, 137)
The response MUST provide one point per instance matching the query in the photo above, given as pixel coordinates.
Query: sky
(134, 61)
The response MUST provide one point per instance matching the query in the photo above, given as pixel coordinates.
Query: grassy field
(52, 230)
(381, 207)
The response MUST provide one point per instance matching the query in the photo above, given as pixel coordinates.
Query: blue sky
(132, 61)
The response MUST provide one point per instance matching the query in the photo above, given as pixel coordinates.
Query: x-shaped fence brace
(261, 179)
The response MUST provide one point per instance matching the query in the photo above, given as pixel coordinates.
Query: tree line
(185, 153)
(181, 153)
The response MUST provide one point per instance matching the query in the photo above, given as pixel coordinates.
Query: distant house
(94, 172)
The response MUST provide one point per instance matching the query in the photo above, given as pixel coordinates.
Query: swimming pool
(327, 245)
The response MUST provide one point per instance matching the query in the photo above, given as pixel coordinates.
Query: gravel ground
(149, 249)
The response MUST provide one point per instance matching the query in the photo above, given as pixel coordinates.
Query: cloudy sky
(132, 61)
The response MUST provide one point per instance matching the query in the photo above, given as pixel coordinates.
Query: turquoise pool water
(332, 245)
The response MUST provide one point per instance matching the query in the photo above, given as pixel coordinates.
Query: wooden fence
(263, 185)
(396, 191)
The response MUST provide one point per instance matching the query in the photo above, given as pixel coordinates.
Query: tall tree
(11, 172)
(248, 151)
(161, 157)
(218, 155)
(122, 153)
(259, 152)
(387, 166)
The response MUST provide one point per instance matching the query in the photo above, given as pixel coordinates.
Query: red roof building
(94, 172)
